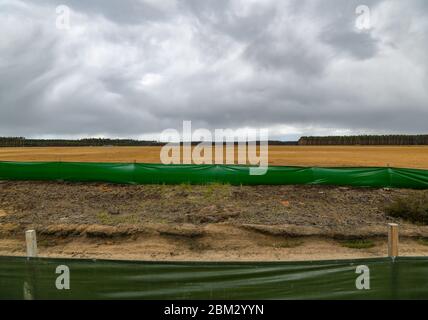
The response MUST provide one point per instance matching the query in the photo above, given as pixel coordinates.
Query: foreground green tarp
(139, 173)
(402, 278)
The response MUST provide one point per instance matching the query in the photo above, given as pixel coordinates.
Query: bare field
(394, 156)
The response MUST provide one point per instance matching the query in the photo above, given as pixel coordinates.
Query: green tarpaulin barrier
(139, 173)
(35, 278)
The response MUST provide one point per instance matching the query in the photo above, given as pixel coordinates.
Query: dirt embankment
(210, 222)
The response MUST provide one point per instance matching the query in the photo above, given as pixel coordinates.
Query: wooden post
(392, 240)
(30, 238)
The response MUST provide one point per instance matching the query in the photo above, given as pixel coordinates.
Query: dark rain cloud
(135, 67)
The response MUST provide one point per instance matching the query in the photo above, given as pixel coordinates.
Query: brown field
(394, 156)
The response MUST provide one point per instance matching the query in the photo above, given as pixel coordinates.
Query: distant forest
(365, 140)
(304, 141)
(93, 142)
(23, 142)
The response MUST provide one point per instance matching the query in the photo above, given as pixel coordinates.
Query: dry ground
(394, 156)
(213, 248)
(214, 222)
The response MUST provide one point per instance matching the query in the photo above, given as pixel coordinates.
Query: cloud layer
(133, 68)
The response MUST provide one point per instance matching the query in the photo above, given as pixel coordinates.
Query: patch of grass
(413, 208)
(187, 187)
(198, 246)
(108, 219)
(288, 243)
(217, 190)
(358, 243)
(423, 241)
(46, 243)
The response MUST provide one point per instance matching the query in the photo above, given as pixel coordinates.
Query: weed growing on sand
(413, 208)
(358, 243)
(288, 243)
(423, 241)
(45, 243)
(185, 187)
(217, 190)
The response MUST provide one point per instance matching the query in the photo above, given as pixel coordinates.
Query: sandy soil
(394, 156)
(235, 245)
(214, 222)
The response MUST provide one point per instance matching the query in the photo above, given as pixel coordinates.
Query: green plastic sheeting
(402, 278)
(139, 173)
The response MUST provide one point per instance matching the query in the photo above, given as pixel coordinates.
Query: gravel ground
(44, 203)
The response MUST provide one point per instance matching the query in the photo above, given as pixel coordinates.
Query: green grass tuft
(358, 244)
(423, 241)
(289, 243)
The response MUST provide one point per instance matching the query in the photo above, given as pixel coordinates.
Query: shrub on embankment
(413, 208)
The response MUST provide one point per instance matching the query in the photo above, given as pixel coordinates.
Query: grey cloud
(124, 12)
(128, 68)
(221, 17)
(359, 45)
(287, 53)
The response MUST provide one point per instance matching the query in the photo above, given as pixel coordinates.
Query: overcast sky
(133, 68)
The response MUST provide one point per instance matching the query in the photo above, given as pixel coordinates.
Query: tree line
(306, 140)
(23, 142)
(94, 142)
(365, 140)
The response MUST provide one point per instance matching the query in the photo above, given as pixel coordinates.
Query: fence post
(392, 240)
(30, 238)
